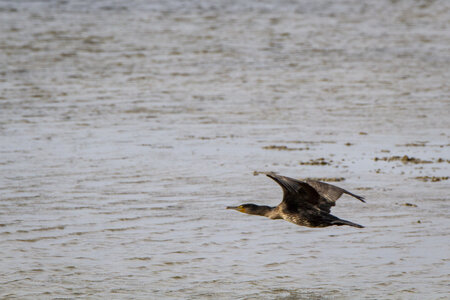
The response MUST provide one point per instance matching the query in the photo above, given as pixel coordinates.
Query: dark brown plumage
(305, 203)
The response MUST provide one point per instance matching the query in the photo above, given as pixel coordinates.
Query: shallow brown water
(126, 129)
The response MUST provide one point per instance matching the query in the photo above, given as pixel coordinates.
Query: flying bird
(305, 203)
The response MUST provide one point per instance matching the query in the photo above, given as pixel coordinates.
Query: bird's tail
(341, 222)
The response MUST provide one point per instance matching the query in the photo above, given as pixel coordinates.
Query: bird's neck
(267, 211)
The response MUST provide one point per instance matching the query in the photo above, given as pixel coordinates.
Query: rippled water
(126, 128)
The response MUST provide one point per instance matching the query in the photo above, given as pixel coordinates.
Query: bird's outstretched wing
(320, 194)
(329, 193)
(296, 193)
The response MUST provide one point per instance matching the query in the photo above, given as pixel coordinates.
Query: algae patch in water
(328, 179)
(404, 159)
(407, 204)
(414, 144)
(284, 148)
(432, 178)
(316, 162)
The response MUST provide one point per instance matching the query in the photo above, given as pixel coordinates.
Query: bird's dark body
(305, 203)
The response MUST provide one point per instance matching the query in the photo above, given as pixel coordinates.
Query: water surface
(127, 128)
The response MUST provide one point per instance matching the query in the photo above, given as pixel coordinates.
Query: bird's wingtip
(270, 174)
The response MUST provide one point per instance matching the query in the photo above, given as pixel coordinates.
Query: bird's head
(251, 209)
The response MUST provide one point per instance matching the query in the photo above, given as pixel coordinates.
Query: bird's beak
(238, 208)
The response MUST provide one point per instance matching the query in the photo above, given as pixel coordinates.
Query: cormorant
(305, 203)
